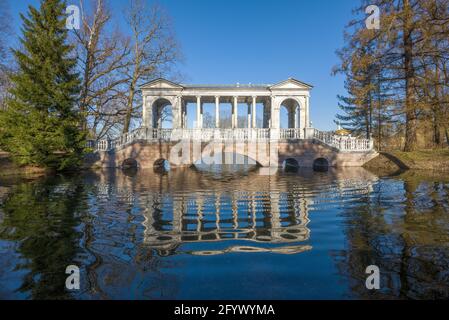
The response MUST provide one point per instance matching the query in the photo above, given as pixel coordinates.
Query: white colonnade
(294, 94)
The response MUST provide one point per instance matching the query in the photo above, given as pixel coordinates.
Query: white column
(201, 115)
(253, 113)
(234, 113)
(184, 113)
(274, 124)
(147, 119)
(248, 109)
(307, 119)
(302, 118)
(267, 113)
(274, 113)
(217, 112)
(177, 112)
(144, 111)
(297, 112)
(198, 112)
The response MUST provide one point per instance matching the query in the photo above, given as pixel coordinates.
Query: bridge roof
(227, 86)
(289, 83)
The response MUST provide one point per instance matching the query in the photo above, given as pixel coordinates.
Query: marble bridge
(268, 125)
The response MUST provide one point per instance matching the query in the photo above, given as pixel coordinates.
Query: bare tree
(154, 51)
(102, 58)
(208, 120)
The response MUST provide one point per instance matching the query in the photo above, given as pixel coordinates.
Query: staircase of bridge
(151, 135)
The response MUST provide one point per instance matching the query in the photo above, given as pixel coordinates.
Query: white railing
(100, 145)
(354, 144)
(342, 143)
(291, 133)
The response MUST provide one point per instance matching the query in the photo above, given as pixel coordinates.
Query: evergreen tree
(41, 125)
(366, 109)
(360, 70)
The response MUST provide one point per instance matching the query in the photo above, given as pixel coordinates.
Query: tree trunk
(379, 116)
(379, 129)
(370, 116)
(446, 131)
(436, 131)
(410, 112)
(437, 109)
(84, 94)
(129, 110)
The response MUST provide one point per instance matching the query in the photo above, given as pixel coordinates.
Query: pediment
(161, 83)
(291, 84)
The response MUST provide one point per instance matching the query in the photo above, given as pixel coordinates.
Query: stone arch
(293, 107)
(290, 164)
(321, 164)
(162, 113)
(129, 163)
(161, 165)
(294, 98)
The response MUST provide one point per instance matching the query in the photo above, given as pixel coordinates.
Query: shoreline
(9, 169)
(399, 161)
(386, 163)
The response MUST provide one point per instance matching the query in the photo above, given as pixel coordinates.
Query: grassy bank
(436, 160)
(9, 168)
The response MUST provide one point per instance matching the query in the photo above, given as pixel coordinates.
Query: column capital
(217, 97)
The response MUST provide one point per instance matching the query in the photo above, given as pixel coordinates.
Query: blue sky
(257, 41)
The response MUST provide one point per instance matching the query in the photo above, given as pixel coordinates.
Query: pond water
(229, 234)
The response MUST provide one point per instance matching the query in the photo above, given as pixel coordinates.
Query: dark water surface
(190, 234)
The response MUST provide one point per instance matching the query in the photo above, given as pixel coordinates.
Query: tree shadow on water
(407, 239)
(41, 218)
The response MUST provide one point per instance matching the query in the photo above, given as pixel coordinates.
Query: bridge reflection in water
(251, 215)
(209, 213)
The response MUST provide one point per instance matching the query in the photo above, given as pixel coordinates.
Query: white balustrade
(102, 145)
(342, 143)
(291, 133)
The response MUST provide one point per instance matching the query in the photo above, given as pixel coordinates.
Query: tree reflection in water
(403, 228)
(191, 234)
(41, 219)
